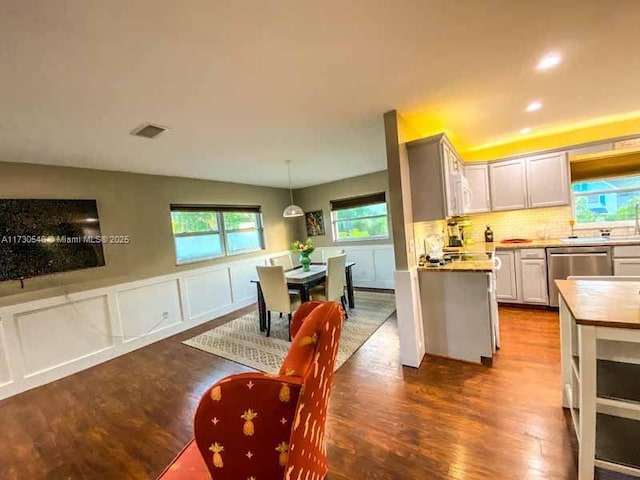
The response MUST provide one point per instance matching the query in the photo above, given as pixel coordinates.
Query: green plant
(303, 247)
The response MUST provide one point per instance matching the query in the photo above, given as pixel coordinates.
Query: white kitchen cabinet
(531, 273)
(506, 284)
(537, 181)
(626, 261)
(534, 280)
(508, 185)
(478, 178)
(432, 162)
(547, 180)
(626, 267)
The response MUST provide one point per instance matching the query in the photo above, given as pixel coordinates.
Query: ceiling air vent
(148, 130)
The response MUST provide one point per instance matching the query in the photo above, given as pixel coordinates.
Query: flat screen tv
(40, 237)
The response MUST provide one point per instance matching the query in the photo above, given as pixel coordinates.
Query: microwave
(462, 194)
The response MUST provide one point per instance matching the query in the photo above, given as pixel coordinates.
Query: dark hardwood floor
(127, 418)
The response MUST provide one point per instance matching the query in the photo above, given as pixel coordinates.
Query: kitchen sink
(586, 240)
(628, 238)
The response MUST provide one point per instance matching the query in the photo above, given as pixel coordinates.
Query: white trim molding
(47, 339)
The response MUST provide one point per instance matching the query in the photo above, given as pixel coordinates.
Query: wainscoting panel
(242, 288)
(207, 292)
(384, 264)
(61, 334)
(148, 309)
(46, 339)
(375, 264)
(364, 270)
(5, 373)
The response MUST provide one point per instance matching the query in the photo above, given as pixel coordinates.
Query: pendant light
(292, 210)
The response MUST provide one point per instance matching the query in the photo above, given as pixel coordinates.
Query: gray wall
(137, 205)
(318, 198)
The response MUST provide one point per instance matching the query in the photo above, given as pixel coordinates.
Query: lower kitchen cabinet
(534, 280)
(506, 284)
(626, 261)
(626, 267)
(522, 277)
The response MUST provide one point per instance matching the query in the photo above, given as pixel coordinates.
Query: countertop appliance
(454, 234)
(563, 262)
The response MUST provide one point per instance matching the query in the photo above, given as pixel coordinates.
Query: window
(205, 232)
(360, 218)
(606, 200)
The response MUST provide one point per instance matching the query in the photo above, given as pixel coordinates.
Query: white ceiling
(244, 85)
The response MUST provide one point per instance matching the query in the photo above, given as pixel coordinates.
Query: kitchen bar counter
(602, 303)
(461, 266)
(600, 365)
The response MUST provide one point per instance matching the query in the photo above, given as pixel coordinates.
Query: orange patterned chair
(254, 426)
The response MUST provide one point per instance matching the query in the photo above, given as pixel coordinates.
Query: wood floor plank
(127, 418)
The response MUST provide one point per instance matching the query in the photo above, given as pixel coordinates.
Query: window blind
(217, 208)
(361, 201)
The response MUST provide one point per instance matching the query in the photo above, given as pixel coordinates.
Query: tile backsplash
(552, 222)
(534, 223)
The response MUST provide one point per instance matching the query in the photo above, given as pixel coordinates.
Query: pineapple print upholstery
(269, 427)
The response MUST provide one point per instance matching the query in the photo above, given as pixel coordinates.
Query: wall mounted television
(40, 237)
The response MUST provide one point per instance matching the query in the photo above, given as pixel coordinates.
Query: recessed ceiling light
(525, 130)
(550, 60)
(533, 106)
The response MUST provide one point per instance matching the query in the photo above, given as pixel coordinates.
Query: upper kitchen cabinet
(433, 164)
(508, 185)
(478, 178)
(547, 180)
(537, 181)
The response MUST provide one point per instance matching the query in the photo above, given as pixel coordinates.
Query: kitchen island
(600, 341)
(459, 308)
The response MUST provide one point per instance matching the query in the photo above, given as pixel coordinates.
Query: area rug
(240, 340)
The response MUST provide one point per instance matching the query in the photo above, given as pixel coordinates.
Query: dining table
(303, 282)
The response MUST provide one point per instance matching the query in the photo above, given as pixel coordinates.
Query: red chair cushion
(188, 465)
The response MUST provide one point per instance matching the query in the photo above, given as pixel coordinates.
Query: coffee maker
(454, 233)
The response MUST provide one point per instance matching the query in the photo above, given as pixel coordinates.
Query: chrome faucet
(637, 230)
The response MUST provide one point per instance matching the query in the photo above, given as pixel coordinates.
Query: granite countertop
(556, 242)
(543, 243)
(461, 266)
(602, 303)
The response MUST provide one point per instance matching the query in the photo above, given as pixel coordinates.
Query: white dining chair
(333, 288)
(284, 261)
(277, 297)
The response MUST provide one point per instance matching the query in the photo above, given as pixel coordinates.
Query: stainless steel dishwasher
(563, 262)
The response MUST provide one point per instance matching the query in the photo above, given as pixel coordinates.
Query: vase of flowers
(304, 249)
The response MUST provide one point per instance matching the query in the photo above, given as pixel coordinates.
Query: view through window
(360, 218)
(202, 232)
(606, 200)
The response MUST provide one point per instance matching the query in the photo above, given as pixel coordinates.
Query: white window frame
(222, 231)
(597, 225)
(334, 226)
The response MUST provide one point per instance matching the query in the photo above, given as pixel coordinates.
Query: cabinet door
(450, 167)
(426, 179)
(626, 267)
(547, 180)
(478, 178)
(508, 185)
(506, 286)
(534, 281)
